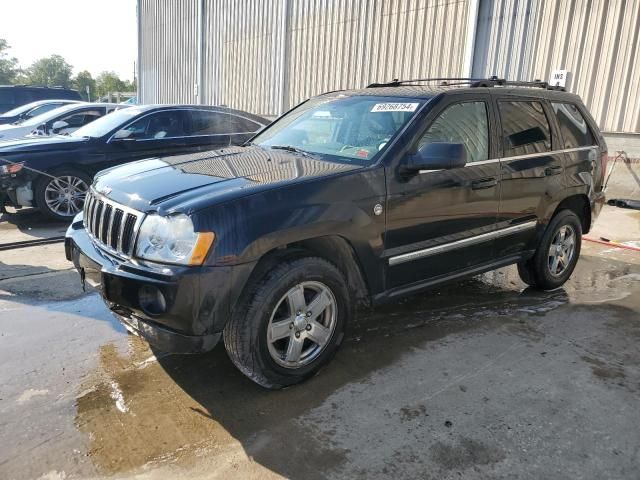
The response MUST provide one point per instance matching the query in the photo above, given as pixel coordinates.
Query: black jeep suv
(353, 197)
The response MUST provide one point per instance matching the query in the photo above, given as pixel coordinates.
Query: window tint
(216, 123)
(464, 123)
(42, 109)
(80, 119)
(159, 125)
(525, 128)
(573, 127)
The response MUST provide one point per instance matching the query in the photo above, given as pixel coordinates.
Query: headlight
(171, 239)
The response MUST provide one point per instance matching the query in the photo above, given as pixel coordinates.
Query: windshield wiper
(291, 148)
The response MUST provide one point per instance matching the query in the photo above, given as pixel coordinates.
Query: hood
(38, 144)
(190, 182)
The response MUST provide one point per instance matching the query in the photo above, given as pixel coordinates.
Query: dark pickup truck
(352, 198)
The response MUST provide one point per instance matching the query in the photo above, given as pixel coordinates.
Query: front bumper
(199, 300)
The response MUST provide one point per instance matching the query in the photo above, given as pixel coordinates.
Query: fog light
(151, 300)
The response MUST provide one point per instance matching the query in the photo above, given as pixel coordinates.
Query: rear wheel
(290, 323)
(557, 255)
(61, 196)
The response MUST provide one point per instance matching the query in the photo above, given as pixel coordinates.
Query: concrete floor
(481, 379)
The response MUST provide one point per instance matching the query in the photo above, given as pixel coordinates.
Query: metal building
(265, 56)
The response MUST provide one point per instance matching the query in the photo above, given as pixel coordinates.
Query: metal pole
(470, 47)
(139, 83)
(284, 60)
(200, 57)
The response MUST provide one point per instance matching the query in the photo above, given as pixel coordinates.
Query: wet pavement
(480, 379)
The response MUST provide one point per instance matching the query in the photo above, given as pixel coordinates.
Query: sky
(93, 35)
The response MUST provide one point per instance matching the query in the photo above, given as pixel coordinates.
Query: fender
(249, 227)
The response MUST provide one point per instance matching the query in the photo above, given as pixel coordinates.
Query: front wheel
(290, 323)
(61, 196)
(557, 255)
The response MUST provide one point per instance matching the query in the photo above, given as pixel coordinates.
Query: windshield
(106, 124)
(355, 129)
(45, 117)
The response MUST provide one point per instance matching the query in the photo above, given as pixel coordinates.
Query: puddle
(140, 410)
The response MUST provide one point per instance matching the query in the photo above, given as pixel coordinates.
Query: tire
(549, 269)
(73, 201)
(267, 307)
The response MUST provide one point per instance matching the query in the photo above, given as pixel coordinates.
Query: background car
(33, 109)
(60, 121)
(12, 96)
(54, 173)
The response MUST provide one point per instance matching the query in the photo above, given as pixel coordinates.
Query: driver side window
(466, 123)
(167, 124)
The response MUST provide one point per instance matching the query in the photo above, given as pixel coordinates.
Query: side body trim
(465, 242)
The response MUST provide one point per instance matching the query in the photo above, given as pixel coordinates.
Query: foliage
(82, 81)
(109, 82)
(8, 65)
(55, 71)
(50, 71)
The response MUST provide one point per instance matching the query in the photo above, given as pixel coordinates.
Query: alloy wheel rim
(65, 195)
(561, 250)
(301, 324)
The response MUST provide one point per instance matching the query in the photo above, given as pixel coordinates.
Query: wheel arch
(333, 248)
(580, 205)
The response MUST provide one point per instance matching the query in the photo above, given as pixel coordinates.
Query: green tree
(50, 71)
(82, 81)
(8, 65)
(109, 82)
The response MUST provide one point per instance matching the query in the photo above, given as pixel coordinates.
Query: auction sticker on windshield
(395, 107)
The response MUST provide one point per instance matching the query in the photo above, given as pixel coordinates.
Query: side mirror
(59, 125)
(437, 156)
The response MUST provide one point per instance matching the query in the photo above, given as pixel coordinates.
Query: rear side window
(525, 128)
(573, 127)
(464, 123)
(216, 123)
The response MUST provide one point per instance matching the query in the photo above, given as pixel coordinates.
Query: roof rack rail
(493, 81)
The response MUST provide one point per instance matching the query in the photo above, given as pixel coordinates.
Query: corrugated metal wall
(168, 50)
(596, 40)
(327, 45)
(242, 54)
(337, 44)
(267, 55)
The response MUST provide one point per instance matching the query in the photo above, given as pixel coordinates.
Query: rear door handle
(484, 183)
(556, 170)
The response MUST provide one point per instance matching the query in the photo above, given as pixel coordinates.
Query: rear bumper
(197, 300)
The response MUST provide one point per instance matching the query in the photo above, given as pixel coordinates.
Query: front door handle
(484, 183)
(555, 170)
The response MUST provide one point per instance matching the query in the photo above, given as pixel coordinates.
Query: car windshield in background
(106, 124)
(356, 129)
(46, 116)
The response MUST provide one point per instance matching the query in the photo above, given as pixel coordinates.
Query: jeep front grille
(111, 225)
